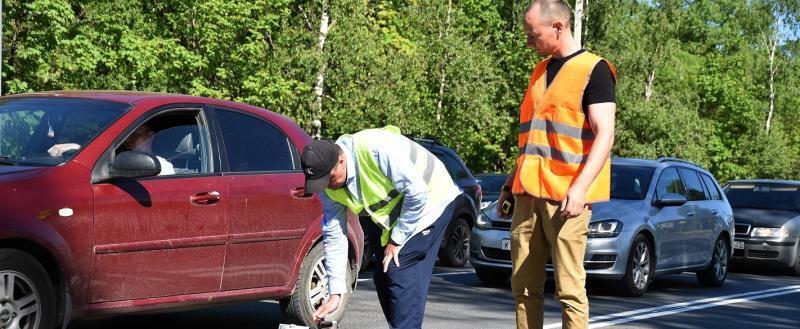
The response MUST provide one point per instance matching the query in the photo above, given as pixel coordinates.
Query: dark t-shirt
(601, 86)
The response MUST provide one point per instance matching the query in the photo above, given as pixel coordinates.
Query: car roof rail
(671, 159)
(425, 139)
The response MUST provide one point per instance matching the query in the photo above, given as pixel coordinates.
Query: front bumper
(605, 257)
(782, 253)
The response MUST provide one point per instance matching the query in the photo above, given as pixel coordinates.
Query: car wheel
(492, 276)
(639, 270)
(456, 250)
(311, 291)
(27, 296)
(717, 271)
(796, 267)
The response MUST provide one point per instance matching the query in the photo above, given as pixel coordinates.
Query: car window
(179, 140)
(670, 182)
(630, 182)
(254, 145)
(454, 167)
(694, 187)
(712, 189)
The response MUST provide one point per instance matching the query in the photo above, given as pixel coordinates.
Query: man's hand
(391, 252)
(499, 207)
(59, 149)
(328, 307)
(573, 203)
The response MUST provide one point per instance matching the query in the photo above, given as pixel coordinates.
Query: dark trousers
(403, 291)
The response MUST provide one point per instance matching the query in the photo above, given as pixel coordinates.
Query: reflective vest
(554, 134)
(378, 195)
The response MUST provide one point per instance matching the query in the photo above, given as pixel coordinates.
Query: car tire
(717, 271)
(456, 250)
(796, 267)
(639, 269)
(492, 276)
(311, 290)
(25, 285)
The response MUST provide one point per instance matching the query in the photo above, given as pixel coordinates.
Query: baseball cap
(318, 159)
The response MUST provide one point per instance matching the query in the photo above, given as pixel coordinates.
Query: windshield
(50, 131)
(630, 182)
(773, 197)
(491, 184)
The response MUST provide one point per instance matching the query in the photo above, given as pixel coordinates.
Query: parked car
(454, 251)
(93, 222)
(665, 216)
(491, 184)
(767, 214)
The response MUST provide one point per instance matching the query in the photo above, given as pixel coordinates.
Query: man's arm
(334, 240)
(601, 118)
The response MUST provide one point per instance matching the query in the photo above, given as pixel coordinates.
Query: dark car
(491, 184)
(454, 251)
(767, 215)
(203, 207)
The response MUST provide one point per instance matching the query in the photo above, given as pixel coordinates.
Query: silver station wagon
(665, 216)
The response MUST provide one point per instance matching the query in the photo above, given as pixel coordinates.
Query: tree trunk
(648, 86)
(443, 71)
(324, 27)
(578, 24)
(772, 69)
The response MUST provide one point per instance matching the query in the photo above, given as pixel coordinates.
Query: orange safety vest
(555, 136)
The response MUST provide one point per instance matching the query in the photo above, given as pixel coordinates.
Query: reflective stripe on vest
(554, 133)
(378, 196)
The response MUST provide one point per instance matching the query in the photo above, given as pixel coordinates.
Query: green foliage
(402, 62)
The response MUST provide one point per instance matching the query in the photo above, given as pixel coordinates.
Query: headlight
(484, 220)
(605, 229)
(770, 232)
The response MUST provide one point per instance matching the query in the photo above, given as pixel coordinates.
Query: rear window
(630, 182)
(773, 197)
(491, 184)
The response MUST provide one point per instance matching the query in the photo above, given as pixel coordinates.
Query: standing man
(566, 134)
(410, 197)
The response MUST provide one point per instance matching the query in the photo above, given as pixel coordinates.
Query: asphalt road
(750, 298)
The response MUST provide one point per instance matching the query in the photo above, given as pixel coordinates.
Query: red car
(118, 202)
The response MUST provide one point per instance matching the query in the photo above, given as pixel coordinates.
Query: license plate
(506, 245)
(738, 244)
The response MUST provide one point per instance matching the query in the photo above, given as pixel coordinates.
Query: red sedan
(117, 202)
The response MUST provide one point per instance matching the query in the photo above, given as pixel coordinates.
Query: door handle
(714, 211)
(300, 193)
(205, 198)
(690, 214)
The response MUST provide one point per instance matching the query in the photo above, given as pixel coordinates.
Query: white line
(693, 308)
(434, 274)
(685, 306)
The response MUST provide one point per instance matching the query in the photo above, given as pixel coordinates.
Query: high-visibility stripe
(551, 153)
(385, 202)
(557, 128)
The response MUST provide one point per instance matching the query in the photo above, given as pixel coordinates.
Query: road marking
(434, 274)
(653, 312)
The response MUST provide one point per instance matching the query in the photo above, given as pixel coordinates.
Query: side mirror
(134, 164)
(670, 199)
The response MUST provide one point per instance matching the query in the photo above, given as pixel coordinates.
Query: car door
(269, 214)
(669, 220)
(698, 229)
(163, 235)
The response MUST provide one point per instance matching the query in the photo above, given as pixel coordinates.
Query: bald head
(551, 10)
